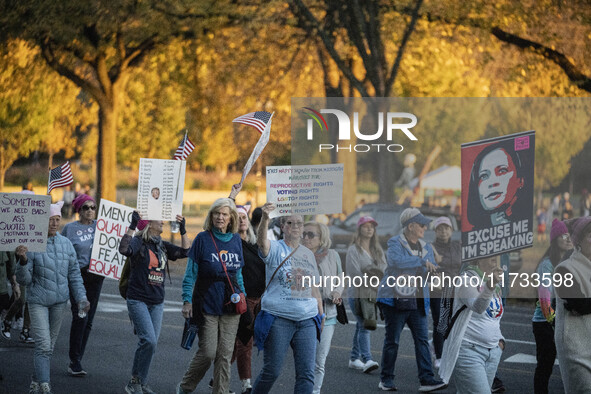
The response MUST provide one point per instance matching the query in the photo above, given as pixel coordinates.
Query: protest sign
(305, 190)
(497, 195)
(24, 220)
(111, 224)
(160, 188)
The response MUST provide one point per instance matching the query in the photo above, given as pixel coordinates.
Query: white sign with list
(160, 188)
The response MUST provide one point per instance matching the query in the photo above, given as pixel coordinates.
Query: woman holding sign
(81, 234)
(49, 277)
(212, 283)
(148, 255)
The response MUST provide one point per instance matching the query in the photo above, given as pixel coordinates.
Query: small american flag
(258, 120)
(184, 149)
(60, 176)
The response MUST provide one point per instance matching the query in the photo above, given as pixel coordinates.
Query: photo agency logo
(393, 123)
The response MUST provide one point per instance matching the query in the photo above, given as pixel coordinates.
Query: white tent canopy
(443, 178)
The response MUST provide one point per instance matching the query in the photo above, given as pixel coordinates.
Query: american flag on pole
(258, 149)
(258, 120)
(184, 149)
(60, 176)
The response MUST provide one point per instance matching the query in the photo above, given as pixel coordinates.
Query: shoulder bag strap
(223, 264)
(280, 265)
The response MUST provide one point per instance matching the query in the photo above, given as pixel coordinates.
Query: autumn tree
(97, 45)
(39, 110)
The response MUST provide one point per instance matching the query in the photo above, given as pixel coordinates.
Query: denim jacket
(401, 260)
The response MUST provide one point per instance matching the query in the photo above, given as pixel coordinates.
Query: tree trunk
(50, 159)
(2, 168)
(107, 154)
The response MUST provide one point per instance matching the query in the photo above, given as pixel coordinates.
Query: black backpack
(124, 279)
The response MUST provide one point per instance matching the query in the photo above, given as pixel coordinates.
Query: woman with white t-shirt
(475, 343)
(291, 312)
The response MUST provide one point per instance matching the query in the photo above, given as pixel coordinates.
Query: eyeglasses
(87, 207)
(565, 237)
(294, 224)
(309, 234)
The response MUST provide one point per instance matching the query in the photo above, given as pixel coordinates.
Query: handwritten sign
(160, 188)
(111, 224)
(24, 220)
(305, 190)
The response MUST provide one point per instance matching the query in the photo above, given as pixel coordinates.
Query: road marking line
(524, 359)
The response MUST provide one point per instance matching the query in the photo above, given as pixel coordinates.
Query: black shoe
(498, 386)
(432, 385)
(75, 369)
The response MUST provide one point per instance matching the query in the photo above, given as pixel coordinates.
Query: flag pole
(48, 180)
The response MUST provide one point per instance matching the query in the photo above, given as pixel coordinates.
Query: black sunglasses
(308, 234)
(87, 207)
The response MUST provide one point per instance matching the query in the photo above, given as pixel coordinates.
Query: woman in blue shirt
(213, 274)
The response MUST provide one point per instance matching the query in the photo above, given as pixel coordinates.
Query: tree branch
(64, 71)
(569, 68)
(304, 12)
(407, 33)
(575, 75)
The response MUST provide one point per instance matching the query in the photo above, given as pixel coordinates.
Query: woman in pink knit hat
(81, 234)
(543, 319)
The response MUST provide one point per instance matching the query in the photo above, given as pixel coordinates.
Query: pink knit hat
(558, 228)
(56, 209)
(80, 200)
(142, 224)
(243, 208)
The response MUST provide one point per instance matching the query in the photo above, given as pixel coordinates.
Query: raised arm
(262, 241)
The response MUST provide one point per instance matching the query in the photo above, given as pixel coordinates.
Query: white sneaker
(45, 388)
(356, 364)
(34, 387)
(437, 363)
(246, 386)
(370, 365)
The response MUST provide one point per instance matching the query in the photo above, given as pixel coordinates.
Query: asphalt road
(112, 344)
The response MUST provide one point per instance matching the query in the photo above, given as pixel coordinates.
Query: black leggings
(545, 354)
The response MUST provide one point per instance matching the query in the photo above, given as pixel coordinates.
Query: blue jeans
(321, 353)
(361, 339)
(302, 338)
(45, 326)
(80, 329)
(417, 322)
(475, 368)
(147, 321)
